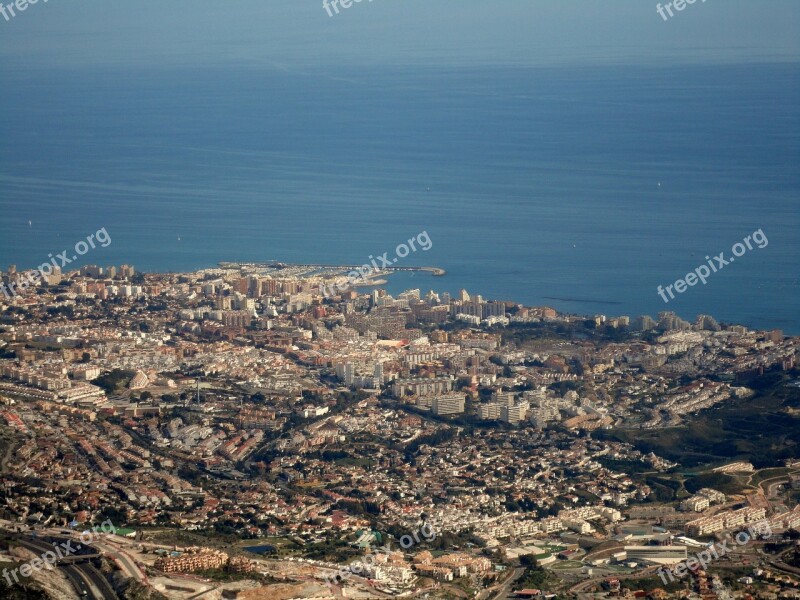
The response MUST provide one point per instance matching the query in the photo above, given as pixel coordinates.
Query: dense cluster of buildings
(243, 399)
(199, 559)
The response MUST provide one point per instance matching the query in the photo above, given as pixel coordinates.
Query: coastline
(563, 304)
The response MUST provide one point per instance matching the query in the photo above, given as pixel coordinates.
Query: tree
(114, 379)
(529, 560)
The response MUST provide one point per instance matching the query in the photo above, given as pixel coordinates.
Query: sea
(579, 188)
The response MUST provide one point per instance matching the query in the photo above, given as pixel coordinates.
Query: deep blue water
(262, 549)
(531, 182)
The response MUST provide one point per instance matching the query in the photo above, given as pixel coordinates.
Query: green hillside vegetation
(762, 430)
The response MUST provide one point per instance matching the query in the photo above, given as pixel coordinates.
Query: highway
(100, 583)
(76, 575)
(77, 581)
(78, 568)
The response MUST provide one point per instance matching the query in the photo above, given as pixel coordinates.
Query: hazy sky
(293, 33)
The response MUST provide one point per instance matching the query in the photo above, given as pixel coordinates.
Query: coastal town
(257, 431)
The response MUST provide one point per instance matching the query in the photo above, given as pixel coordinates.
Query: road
(767, 488)
(782, 566)
(80, 581)
(77, 581)
(504, 589)
(83, 575)
(123, 560)
(10, 449)
(112, 547)
(78, 575)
